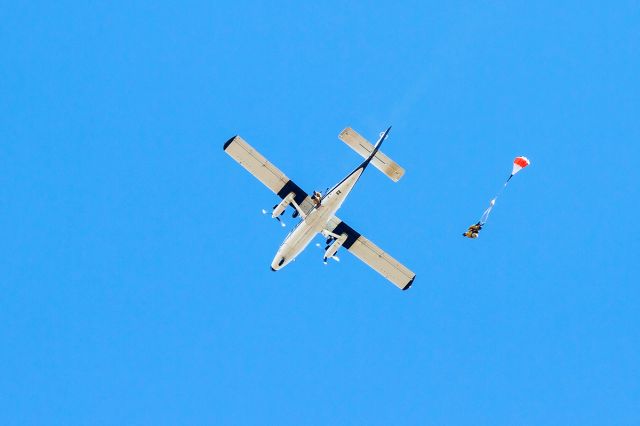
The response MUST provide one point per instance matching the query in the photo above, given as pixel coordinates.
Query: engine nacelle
(280, 208)
(333, 248)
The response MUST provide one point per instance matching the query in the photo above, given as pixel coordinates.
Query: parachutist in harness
(316, 198)
(473, 231)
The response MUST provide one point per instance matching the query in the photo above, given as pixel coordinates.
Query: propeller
(334, 257)
(264, 211)
(277, 217)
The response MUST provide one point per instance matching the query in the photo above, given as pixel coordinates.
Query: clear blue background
(134, 261)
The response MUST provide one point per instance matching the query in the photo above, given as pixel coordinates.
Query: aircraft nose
(277, 263)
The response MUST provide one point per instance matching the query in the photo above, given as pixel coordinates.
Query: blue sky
(135, 262)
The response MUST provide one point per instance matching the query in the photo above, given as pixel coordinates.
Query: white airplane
(318, 211)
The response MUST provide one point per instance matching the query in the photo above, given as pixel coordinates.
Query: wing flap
(369, 253)
(256, 164)
(382, 263)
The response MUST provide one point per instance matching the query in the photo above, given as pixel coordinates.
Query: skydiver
(473, 231)
(316, 198)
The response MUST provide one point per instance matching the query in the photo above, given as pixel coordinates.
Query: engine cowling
(333, 248)
(282, 206)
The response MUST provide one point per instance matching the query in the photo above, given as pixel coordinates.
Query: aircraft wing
(266, 172)
(372, 255)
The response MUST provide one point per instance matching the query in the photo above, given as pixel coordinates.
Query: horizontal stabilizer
(363, 147)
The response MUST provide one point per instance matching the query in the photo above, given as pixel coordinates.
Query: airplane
(318, 211)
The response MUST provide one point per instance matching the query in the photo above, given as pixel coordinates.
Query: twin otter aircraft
(318, 211)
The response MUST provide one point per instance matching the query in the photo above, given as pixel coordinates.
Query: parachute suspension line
(487, 212)
(501, 189)
(485, 215)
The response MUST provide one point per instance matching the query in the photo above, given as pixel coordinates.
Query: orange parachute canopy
(519, 163)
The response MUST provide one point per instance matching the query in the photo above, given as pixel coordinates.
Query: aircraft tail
(371, 153)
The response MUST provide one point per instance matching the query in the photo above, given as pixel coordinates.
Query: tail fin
(368, 151)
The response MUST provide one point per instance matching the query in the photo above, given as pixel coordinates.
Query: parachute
(519, 163)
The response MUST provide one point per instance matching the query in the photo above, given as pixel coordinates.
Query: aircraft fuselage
(315, 221)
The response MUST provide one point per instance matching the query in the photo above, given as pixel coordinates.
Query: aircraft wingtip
(227, 143)
(406, 287)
